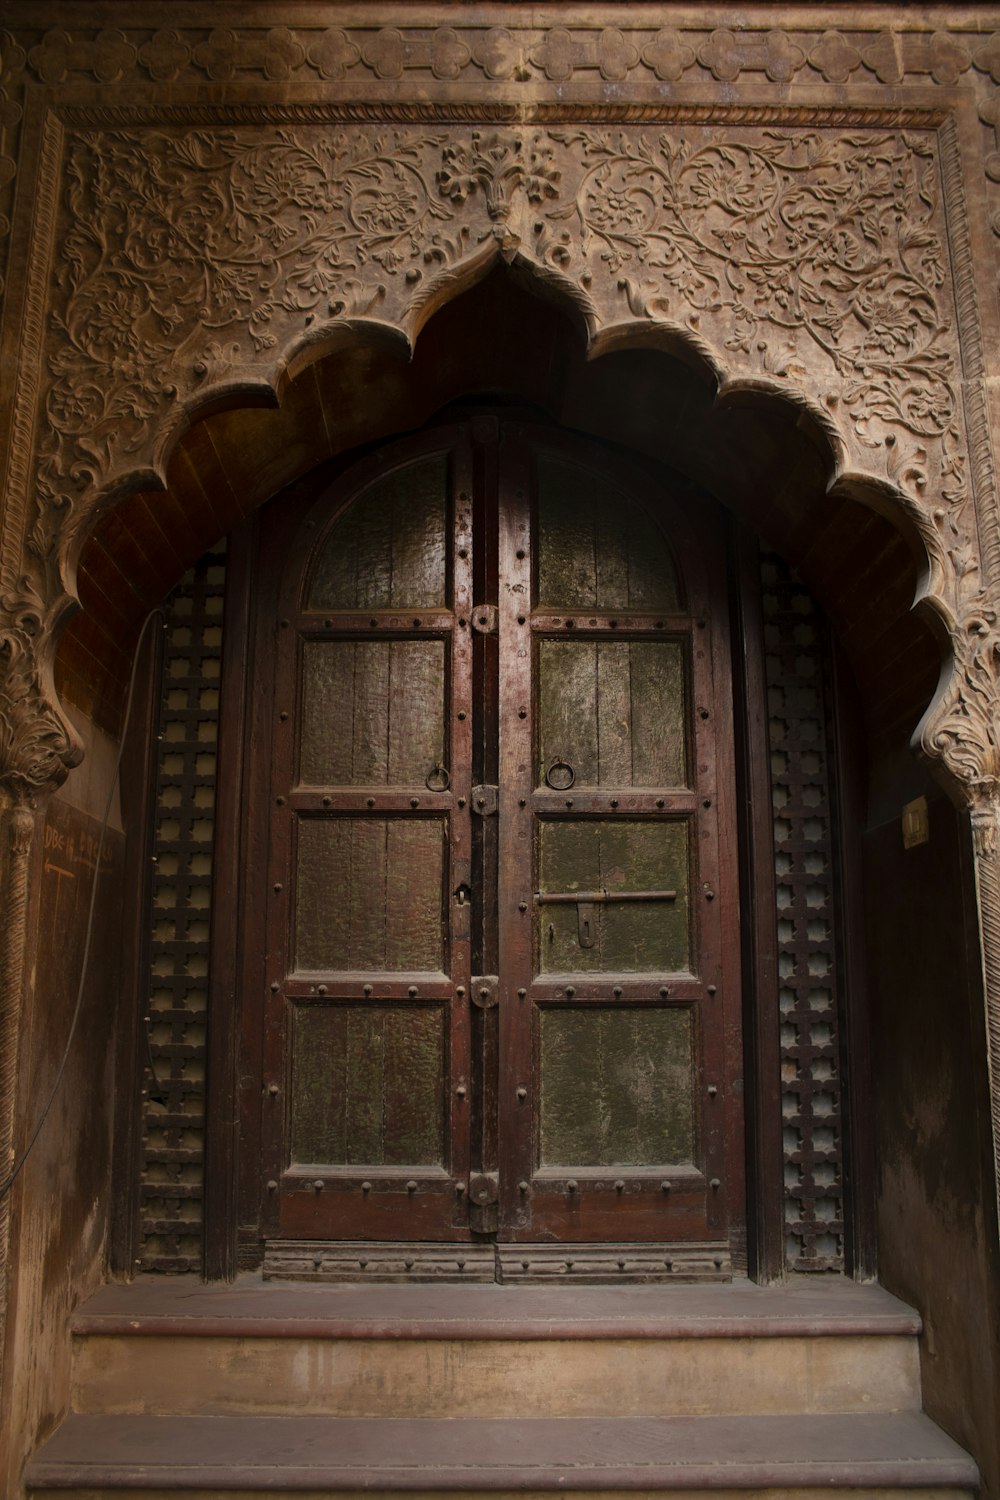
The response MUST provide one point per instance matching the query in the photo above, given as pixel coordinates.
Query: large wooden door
(501, 922)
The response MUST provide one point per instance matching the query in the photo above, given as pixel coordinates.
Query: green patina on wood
(372, 712)
(614, 711)
(387, 550)
(367, 1084)
(597, 548)
(369, 894)
(616, 1087)
(617, 855)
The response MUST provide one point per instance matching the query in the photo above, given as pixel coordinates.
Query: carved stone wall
(187, 211)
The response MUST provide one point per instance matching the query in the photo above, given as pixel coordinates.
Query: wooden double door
(499, 923)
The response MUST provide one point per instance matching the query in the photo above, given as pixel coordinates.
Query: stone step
(723, 1457)
(165, 1347)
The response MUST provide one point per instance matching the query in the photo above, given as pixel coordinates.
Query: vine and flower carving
(190, 256)
(188, 253)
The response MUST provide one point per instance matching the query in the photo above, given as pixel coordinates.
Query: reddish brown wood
(766, 1249)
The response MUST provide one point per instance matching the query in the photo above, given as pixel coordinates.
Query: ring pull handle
(438, 779)
(560, 776)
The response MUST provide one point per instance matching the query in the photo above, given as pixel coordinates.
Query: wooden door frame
(246, 711)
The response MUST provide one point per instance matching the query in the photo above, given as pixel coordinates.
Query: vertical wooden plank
(658, 714)
(567, 567)
(614, 714)
(364, 1085)
(418, 541)
(318, 1071)
(415, 711)
(366, 897)
(567, 708)
(414, 899)
(366, 707)
(415, 1086)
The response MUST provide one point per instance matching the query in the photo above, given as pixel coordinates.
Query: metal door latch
(585, 902)
(484, 1198)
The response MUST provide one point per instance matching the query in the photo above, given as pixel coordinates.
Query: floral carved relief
(807, 257)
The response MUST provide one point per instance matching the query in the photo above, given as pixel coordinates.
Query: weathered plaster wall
(62, 1196)
(936, 1250)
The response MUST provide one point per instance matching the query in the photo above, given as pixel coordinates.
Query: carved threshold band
(612, 1264)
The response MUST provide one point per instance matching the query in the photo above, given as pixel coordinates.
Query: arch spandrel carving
(814, 263)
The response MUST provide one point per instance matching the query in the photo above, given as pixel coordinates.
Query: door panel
(505, 976)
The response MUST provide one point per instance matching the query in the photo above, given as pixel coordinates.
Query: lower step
(901, 1454)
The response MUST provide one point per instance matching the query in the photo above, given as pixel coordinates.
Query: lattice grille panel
(174, 1103)
(804, 845)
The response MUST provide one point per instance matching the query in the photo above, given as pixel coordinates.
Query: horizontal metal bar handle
(579, 898)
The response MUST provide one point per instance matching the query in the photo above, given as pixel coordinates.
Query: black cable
(15, 1172)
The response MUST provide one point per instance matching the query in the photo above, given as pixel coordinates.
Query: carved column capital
(38, 746)
(961, 730)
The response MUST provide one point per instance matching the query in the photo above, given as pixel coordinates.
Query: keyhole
(463, 895)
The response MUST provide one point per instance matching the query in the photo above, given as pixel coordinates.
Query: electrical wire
(16, 1170)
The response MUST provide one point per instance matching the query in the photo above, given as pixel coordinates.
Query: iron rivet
(275, 986)
(712, 1090)
(416, 622)
(463, 551)
(484, 992)
(522, 713)
(701, 624)
(278, 887)
(319, 1184)
(412, 992)
(707, 802)
(522, 906)
(521, 994)
(715, 1184)
(659, 802)
(327, 624)
(570, 624)
(461, 801)
(664, 992)
(461, 713)
(460, 1091)
(522, 802)
(373, 623)
(522, 1187)
(614, 802)
(280, 801)
(480, 801)
(520, 552)
(366, 990)
(570, 991)
(709, 895)
(460, 1188)
(621, 1265)
(617, 991)
(272, 1186)
(327, 801)
(284, 624)
(482, 619)
(283, 716)
(322, 989)
(569, 801)
(614, 624)
(462, 620)
(669, 1265)
(272, 1089)
(520, 619)
(659, 625)
(620, 1185)
(712, 989)
(522, 1094)
(414, 801)
(318, 1262)
(460, 1264)
(571, 1188)
(460, 991)
(718, 1262)
(411, 1186)
(408, 1264)
(370, 801)
(664, 1187)
(703, 713)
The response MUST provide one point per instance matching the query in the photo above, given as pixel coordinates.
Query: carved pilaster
(38, 747)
